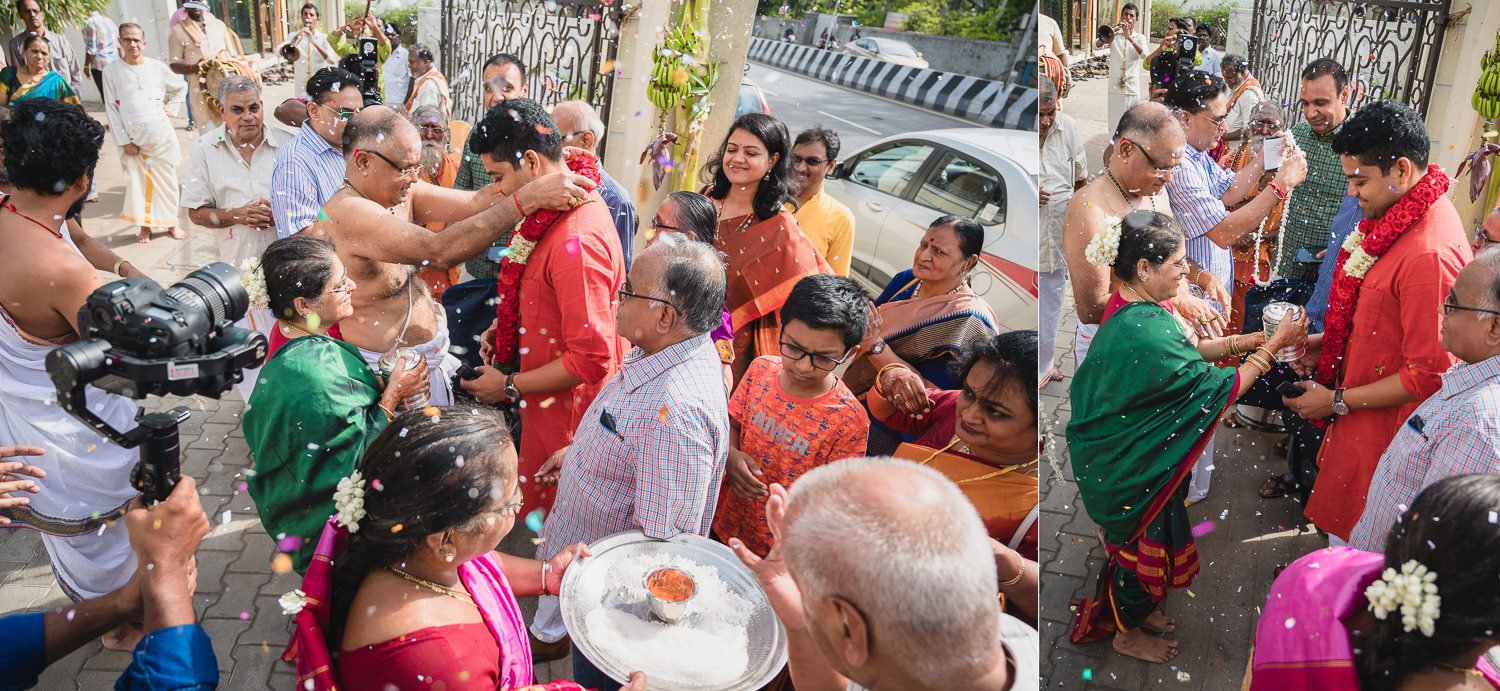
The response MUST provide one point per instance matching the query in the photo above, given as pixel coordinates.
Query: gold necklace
(1471, 671)
(964, 448)
(1126, 286)
(294, 327)
(440, 589)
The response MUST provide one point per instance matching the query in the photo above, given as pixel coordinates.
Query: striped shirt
(649, 453)
(1313, 204)
(1456, 431)
(1196, 193)
(307, 174)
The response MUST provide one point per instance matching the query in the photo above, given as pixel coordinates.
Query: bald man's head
(370, 128)
(579, 124)
(901, 543)
(1147, 121)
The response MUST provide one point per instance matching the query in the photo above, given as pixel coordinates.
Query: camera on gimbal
(365, 63)
(138, 339)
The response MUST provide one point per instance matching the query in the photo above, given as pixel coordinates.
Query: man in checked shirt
(649, 453)
(1457, 430)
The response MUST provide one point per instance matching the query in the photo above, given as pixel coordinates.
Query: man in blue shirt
(175, 654)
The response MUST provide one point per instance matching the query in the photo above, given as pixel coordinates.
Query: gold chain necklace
(294, 327)
(964, 448)
(437, 588)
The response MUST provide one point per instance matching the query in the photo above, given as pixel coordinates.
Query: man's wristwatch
(1339, 406)
(512, 394)
(878, 348)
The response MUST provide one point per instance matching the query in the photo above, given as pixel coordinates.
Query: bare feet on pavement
(1159, 622)
(123, 638)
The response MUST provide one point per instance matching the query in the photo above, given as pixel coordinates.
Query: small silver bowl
(664, 609)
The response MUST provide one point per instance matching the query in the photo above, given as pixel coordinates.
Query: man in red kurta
(567, 344)
(1381, 352)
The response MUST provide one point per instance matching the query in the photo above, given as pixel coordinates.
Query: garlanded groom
(1380, 353)
(553, 344)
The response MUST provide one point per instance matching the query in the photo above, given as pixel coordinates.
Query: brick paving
(237, 591)
(1252, 538)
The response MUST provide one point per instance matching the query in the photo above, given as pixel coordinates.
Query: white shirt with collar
(217, 175)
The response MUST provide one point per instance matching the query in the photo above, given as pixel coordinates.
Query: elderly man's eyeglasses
(1484, 238)
(1161, 171)
(626, 295)
(1451, 305)
(792, 351)
(404, 171)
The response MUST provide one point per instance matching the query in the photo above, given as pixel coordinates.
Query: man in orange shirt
(438, 165)
(567, 343)
(1380, 354)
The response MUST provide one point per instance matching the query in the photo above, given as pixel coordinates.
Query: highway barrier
(984, 101)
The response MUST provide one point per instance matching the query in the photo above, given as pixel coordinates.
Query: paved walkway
(1251, 539)
(237, 591)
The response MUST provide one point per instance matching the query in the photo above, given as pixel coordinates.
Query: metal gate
(1389, 47)
(566, 46)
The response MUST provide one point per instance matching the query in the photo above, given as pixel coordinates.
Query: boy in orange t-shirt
(791, 413)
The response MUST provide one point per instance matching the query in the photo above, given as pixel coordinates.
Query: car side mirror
(837, 173)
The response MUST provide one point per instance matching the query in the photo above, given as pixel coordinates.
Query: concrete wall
(984, 101)
(975, 58)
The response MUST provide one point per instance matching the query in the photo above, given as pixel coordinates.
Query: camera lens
(217, 289)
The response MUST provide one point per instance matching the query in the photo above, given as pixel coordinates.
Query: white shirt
(1064, 163)
(217, 175)
(1050, 37)
(1125, 59)
(1239, 113)
(101, 39)
(397, 77)
(1212, 62)
(140, 96)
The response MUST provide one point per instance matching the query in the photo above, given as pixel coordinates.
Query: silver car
(887, 49)
(900, 184)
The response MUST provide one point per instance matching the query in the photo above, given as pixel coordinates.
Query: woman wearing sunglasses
(322, 405)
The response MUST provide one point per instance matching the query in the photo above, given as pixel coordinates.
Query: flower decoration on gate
(513, 264)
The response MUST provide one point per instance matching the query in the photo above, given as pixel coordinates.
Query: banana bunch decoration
(679, 76)
(1486, 99)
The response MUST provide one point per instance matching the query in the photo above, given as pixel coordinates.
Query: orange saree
(766, 259)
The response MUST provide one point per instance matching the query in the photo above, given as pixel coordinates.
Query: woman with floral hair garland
(320, 405)
(1420, 616)
(1145, 403)
(407, 584)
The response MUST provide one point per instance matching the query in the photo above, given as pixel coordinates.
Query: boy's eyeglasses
(792, 351)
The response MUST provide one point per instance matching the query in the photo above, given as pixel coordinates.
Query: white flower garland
(349, 501)
(293, 602)
(1280, 238)
(1414, 592)
(1359, 261)
(254, 280)
(1105, 247)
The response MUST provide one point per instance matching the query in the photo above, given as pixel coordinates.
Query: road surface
(858, 117)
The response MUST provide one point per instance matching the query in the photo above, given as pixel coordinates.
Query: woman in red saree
(1145, 404)
(1324, 627)
(406, 588)
(766, 251)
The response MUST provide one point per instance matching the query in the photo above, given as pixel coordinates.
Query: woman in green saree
(316, 405)
(1145, 403)
(35, 78)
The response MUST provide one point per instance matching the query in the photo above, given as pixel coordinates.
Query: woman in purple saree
(1344, 620)
(406, 590)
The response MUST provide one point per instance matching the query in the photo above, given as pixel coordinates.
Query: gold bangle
(1231, 347)
(389, 414)
(1259, 363)
(1019, 575)
(882, 371)
(119, 263)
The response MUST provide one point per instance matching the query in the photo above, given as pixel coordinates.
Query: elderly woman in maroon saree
(766, 250)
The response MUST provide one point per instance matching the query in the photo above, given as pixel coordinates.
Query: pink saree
(482, 577)
(1301, 643)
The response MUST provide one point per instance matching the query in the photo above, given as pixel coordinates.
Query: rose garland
(1360, 252)
(513, 264)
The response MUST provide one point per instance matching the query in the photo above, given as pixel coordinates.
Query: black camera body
(139, 339)
(1187, 53)
(365, 63)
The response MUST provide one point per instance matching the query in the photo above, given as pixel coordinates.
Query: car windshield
(896, 48)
